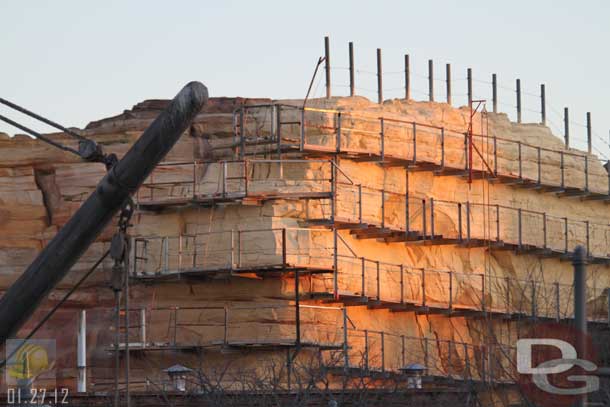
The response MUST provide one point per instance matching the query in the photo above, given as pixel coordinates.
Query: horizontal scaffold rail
(278, 129)
(317, 253)
(330, 197)
(345, 349)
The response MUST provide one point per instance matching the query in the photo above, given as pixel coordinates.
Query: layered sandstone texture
(207, 213)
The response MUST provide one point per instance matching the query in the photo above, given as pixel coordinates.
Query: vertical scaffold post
(284, 255)
(338, 136)
(382, 209)
(327, 65)
(360, 203)
(534, 302)
(543, 104)
(520, 227)
(333, 189)
(363, 276)
(352, 80)
(233, 257)
(402, 284)
(459, 209)
(495, 141)
(246, 177)
(520, 159)
(448, 82)
(608, 311)
(518, 92)
(278, 130)
(297, 307)
(345, 344)
(589, 134)
(366, 350)
(242, 134)
(566, 127)
(494, 92)
(335, 265)
(431, 218)
(450, 291)
(402, 351)
(508, 307)
(557, 303)
(302, 135)
(468, 221)
(426, 353)
(587, 239)
(469, 84)
(562, 169)
(483, 294)
(414, 143)
(379, 78)
(539, 161)
(226, 325)
(423, 287)
(382, 138)
(586, 189)
(407, 78)
(608, 170)
(407, 221)
(431, 80)
(143, 327)
(382, 352)
(544, 231)
(238, 249)
(497, 223)
(378, 274)
(423, 218)
(565, 235)
(224, 178)
(442, 148)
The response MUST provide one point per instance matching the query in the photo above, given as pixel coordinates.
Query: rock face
(218, 241)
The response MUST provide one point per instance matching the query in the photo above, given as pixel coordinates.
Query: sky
(76, 61)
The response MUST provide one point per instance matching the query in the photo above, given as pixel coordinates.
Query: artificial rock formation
(205, 245)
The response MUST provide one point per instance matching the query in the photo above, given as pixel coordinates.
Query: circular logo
(29, 361)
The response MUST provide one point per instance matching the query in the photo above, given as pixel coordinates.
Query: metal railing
(322, 251)
(413, 143)
(238, 326)
(380, 352)
(326, 328)
(233, 250)
(330, 195)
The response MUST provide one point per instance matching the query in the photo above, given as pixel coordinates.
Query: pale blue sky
(77, 61)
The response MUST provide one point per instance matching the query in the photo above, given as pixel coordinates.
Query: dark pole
(379, 78)
(494, 92)
(518, 90)
(352, 82)
(327, 64)
(589, 134)
(543, 103)
(580, 310)
(469, 81)
(431, 80)
(566, 127)
(448, 75)
(113, 191)
(297, 307)
(407, 78)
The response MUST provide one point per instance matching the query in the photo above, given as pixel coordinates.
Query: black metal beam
(113, 191)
